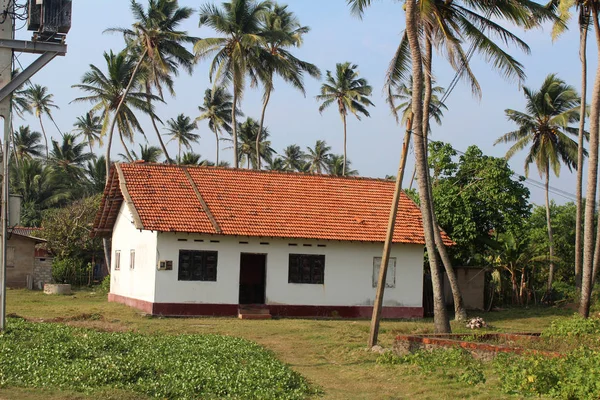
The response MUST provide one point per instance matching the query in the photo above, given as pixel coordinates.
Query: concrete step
(249, 312)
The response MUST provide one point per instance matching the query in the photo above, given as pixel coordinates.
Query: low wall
(42, 272)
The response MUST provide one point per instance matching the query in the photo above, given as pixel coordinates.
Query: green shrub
(105, 285)
(574, 376)
(575, 326)
(564, 291)
(160, 366)
(456, 364)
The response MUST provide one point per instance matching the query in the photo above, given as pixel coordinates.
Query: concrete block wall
(42, 271)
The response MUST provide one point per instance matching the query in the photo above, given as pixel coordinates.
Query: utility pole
(51, 21)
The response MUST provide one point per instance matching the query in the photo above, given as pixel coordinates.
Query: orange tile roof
(226, 201)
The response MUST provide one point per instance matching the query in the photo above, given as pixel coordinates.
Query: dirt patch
(93, 321)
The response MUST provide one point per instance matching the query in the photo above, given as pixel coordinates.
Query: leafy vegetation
(182, 367)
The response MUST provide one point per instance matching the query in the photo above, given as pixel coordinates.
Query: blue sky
(336, 36)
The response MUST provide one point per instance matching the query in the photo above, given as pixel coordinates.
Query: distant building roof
(225, 201)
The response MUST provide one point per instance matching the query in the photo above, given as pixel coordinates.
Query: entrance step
(249, 312)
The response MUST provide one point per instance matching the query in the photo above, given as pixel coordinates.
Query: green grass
(330, 354)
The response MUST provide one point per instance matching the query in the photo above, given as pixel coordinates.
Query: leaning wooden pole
(377, 307)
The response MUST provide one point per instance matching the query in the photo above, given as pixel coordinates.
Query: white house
(205, 240)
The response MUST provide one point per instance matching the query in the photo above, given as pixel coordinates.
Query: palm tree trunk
(596, 255)
(377, 306)
(44, 133)
(260, 126)
(550, 238)
(158, 135)
(236, 161)
(441, 323)
(345, 139)
(217, 137)
(118, 110)
(579, 219)
(412, 180)
(592, 176)
(460, 314)
(131, 159)
(179, 155)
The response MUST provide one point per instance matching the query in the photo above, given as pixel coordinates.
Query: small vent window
(117, 261)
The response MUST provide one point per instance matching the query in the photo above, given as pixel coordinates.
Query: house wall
(348, 273)
(20, 260)
(137, 283)
(471, 282)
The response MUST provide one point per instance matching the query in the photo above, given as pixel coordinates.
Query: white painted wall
(137, 283)
(348, 272)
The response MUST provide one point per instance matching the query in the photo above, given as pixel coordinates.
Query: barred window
(306, 268)
(197, 265)
(117, 260)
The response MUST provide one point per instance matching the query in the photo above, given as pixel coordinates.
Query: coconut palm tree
(182, 131)
(149, 154)
(544, 129)
(238, 54)
(26, 143)
(348, 91)
(42, 103)
(95, 171)
(336, 166)
(318, 157)
(158, 46)
(563, 7)
(217, 108)
(282, 31)
(89, 127)
(69, 157)
(111, 94)
(293, 158)
(190, 158)
(247, 132)
(19, 102)
(277, 164)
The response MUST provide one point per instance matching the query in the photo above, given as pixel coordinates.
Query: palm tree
(337, 167)
(238, 53)
(277, 164)
(216, 109)
(182, 130)
(282, 30)
(26, 143)
(247, 133)
(41, 188)
(42, 104)
(293, 158)
(149, 154)
(318, 157)
(349, 92)
(69, 157)
(96, 174)
(89, 126)
(111, 94)
(563, 7)
(544, 128)
(191, 158)
(19, 101)
(158, 46)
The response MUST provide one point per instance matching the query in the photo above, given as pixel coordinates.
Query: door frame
(266, 255)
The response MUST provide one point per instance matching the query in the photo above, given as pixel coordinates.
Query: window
(117, 260)
(132, 259)
(390, 279)
(197, 265)
(306, 268)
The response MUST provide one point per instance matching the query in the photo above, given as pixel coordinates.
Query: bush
(105, 285)
(573, 327)
(575, 376)
(160, 366)
(456, 364)
(69, 270)
(564, 291)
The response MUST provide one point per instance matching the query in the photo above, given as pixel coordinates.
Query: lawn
(330, 354)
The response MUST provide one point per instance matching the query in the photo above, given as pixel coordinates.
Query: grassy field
(329, 353)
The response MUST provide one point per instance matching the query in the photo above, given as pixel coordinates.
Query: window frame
(316, 277)
(377, 260)
(132, 259)
(208, 271)
(117, 263)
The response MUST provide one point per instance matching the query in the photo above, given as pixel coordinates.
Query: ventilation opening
(243, 242)
(198, 240)
(182, 240)
(215, 241)
(264, 243)
(292, 244)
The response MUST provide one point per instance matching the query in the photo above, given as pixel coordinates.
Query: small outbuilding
(208, 241)
(27, 263)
